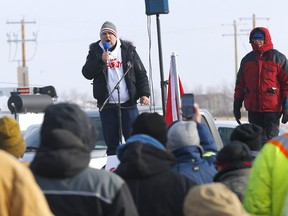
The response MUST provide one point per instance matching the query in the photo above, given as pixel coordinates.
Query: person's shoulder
(16, 173)
(94, 45)
(248, 57)
(106, 176)
(278, 53)
(251, 53)
(100, 181)
(127, 43)
(183, 180)
(9, 162)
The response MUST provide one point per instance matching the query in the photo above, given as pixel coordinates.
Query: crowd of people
(164, 170)
(175, 170)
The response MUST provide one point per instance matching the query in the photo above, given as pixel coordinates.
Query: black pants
(269, 121)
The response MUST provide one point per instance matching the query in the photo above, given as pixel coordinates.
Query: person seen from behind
(11, 139)
(146, 166)
(61, 167)
(234, 162)
(212, 199)
(194, 149)
(250, 134)
(267, 185)
(20, 194)
(205, 135)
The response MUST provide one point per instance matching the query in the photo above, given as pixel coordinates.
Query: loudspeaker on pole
(156, 7)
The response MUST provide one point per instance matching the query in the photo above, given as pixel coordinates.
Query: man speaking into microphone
(119, 80)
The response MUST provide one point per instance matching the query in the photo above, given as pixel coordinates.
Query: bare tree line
(217, 99)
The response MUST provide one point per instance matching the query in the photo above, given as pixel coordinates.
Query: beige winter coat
(19, 193)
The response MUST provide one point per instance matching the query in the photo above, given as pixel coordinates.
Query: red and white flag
(171, 102)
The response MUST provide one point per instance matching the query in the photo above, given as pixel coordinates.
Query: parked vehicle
(27, 106)
(225, 128)
(98, 155)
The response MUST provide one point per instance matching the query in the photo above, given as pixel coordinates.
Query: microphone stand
(117, 86)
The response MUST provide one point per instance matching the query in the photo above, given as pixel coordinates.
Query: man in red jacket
(262, 83)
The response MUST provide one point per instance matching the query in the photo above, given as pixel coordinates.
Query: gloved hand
(236, 110)
(285, 112)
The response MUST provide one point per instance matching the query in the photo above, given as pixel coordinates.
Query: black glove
(285, 112)
(236, 110)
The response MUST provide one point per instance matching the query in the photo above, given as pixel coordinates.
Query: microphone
(106, 46)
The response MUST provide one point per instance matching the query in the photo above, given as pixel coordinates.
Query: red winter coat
(262, 80)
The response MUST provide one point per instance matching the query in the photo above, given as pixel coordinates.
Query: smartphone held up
(187, 102)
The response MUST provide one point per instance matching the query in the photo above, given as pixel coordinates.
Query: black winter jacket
(73, 188)
(156, 189)
(136, 79)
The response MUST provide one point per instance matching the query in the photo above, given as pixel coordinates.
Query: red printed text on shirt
(114, 63)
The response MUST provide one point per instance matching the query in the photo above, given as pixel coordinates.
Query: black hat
(71, 118)
(250, 134)
(233, 153)
(152, 124)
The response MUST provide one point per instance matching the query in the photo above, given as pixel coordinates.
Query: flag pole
(176, 80)
(162, 82)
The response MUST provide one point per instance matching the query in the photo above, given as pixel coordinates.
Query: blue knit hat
(258, 35)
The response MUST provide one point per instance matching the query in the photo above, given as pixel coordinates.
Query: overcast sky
(192, 29)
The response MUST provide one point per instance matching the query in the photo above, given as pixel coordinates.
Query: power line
(235, 34)
(23, 40)
(22, 71)
(254, 20)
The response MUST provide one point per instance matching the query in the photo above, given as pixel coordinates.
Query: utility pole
(22, 71)
(235, 34)
(254, 20)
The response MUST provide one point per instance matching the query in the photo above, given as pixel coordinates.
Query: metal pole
(162, 82)
(236, 49)
(23, 43)
(23, 79)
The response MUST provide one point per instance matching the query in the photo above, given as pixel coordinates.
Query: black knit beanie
(151, 124)
(69, 117)
(250, 134)
(234, 152)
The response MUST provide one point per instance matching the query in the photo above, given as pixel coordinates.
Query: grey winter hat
(182, 134)
(110, 27)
